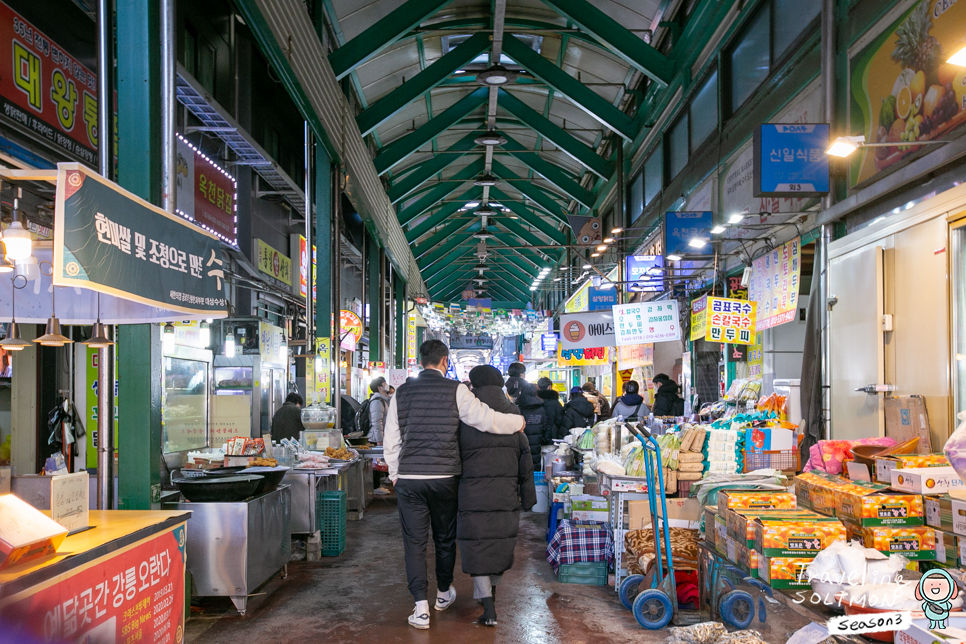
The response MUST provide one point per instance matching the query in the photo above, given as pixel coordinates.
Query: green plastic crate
(330, 513)
(586, 573)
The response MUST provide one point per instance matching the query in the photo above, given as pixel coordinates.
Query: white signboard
(646, 322)
(396, 377)
(70, 500)
(587, 330)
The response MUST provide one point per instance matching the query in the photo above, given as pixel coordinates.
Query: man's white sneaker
(445, 600)
(419, 619)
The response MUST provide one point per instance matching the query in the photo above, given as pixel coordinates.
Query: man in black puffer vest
(421, 448)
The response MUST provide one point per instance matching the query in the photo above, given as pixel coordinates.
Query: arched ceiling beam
(405, 186)
(582, 96)
(580, 152)
(454, 256)
(532, 192)
(382, 34)
(441, 236)
(406, 145)
(528, 216)
(427, 256)
(438, 193)
(616, 38)
(551, 173)
(441, 215)
(454, 285)
(521, 232)
(482, 22)
(464, 271)
(387, 106)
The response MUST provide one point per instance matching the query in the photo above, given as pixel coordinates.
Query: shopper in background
(551, 402)
(287, 421)
(538, 430)
(515, 380)
(371, 417)
(422, 451)
(600, 402)
(666, 400)
(631, 405)
(579, 412)
(497, 481)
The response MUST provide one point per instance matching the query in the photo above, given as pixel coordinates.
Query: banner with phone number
(133, 595)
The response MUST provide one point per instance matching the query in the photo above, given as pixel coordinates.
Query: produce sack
(703, 633)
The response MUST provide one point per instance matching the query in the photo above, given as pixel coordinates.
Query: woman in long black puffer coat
(579, 412)
(539, 429)
(497, 481)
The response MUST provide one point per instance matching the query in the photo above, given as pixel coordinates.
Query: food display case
(186, 374)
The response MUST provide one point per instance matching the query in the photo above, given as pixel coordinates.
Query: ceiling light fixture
(674, 258)
(12, 341)
(608, 240)
(486, 181)
(471, 204)
(483, 235)
(230, 345)
(846, 145)
(99, 338)
(616, 231)
(533, 288)
(717, 230)
(697, 243)
(167, 338)
(496, 75)
(595, 254)
(959, 58)
(485, 211)
(601, 248)
(490, 138)
(16, 240)
(52, 336)
(6, 266)
(586, 267)
(735, 219)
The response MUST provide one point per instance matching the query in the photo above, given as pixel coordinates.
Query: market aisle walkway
(362, 597)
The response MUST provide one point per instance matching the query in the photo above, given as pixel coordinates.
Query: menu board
(635, 355)
(729, 320)
(698, 318)
(774, 284)
(647, 322)
(70, 500)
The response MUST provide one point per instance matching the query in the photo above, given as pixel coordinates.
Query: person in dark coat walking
(666, 399)
(287, 421)
(516, 381)
(551, 402)
(538, 429)
(631, 405)
(497, 481)
(579, 412)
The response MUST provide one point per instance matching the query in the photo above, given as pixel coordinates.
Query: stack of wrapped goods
(769, 537)
(691, 453)
(723, 452)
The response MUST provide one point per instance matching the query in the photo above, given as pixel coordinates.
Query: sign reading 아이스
(587, 330)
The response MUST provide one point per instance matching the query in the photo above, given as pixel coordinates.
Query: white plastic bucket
(543, 499)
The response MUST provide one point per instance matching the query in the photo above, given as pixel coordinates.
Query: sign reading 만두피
(699, 318)
(731, 321)
(273, 263)
(205, 193)
(681, 227)
(587, 330)
(790, 159)
(587, 357)
(775, 283)
(109, 240)
(645, 273)
(647, 322)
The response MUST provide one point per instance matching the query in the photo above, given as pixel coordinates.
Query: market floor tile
(362, 595)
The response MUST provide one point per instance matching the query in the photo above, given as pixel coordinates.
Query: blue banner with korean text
(790, 160)
(681, 228)
(109, 240)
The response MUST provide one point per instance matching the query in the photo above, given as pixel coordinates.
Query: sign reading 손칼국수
(109, 240)
(731, 321)
(647, 322)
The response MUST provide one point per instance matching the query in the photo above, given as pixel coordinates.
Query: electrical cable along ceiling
(490, 119)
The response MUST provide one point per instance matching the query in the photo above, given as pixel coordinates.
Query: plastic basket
(786, 460)
(539, 478)
(586, 573)
(330, 511)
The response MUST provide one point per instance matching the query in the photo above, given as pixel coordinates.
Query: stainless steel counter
(305, 486)
(233, 548)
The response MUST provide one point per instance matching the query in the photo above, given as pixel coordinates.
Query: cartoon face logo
(589, 233)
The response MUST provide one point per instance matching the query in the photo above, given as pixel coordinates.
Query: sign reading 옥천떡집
(699, 319)
(45, 91)
(587, 330)
(206, 194)
(111, 241)
(273, 263)
(135, 594)
(903, 90)
(731, 321)
(681, 227)
(647, 322)
(774, 285)
(585, 357)
(790, 159)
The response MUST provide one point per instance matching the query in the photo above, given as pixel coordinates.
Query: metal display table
(306, 485)
(233, 548)
(360, 486)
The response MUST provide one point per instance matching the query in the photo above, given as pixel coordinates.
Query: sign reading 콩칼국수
(587, 330)
(731, 321)
(775, 283)
(45, 91)
(790, 159)
(647, 322)
(108, 240)
(699, 318)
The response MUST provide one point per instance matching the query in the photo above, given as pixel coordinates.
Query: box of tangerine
(741, 523)
(800, 538)
(754, 500)
(881, 509)
(917, 543)
(784, 572)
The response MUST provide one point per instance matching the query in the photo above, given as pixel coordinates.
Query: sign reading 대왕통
(109, 240)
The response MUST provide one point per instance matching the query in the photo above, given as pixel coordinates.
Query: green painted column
(374, 270)
(323, 249)
(139, 170)
(400, 297)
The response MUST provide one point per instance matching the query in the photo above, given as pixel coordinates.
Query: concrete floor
(362, 595)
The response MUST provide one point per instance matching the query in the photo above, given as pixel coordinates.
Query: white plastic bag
(955, 447)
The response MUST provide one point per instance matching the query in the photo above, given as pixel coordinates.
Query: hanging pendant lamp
(12, 341)
(99, 338)
(52, 336)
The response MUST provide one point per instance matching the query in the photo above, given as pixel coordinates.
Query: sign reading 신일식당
(790, 160)
(109, 240)
(731, 321)
(646, 322)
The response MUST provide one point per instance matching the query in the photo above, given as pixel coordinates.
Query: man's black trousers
(425, 503)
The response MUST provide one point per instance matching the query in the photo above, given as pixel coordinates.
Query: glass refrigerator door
(184, 405)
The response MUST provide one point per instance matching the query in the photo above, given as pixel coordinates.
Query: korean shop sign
(583, 330)
(681, 227)
(548, 342)
(304, 268)
(109, 240)
(790, 160)
(731, 321)
(647, 322)
(586, 357)
(45, 91)
(699, 318)
(350, 325)
(205, 193)
(273, 263)
(775, 283)
(903, 90)
(645, 273)
(601, 299)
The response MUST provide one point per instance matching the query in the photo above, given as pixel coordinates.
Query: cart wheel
(762, 615)
(726, 581)
(629, 589)
(737, 608)
(653, 609)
